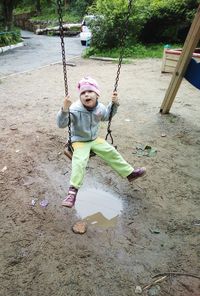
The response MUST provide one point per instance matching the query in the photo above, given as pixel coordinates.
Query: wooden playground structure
(185, 65)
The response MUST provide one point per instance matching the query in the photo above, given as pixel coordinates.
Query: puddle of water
(98, 207)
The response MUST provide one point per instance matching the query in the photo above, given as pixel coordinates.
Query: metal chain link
(61, 30)
(122, 44)
(123, 40)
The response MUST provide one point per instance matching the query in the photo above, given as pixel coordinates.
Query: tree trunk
(38, 6)
(66, 2)
(8, 6)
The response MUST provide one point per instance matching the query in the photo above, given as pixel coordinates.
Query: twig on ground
(176, 274)
(165, 275)
(155, 282)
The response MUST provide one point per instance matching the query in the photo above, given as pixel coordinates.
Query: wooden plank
(170, 64)
(169, 69)
(190, 44)
(168, 60)
(172, 57)
(163, 61)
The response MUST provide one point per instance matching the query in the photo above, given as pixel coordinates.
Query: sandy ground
(158, 228)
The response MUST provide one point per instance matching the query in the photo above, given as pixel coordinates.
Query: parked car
(86, 34)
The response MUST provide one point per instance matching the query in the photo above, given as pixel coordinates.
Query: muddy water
(98, 207)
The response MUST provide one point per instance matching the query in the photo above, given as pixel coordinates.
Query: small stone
(79, 227)
(13, 127)
(44, 203)
(154, 291)
(33, 202)
(4, 169)
(138, 290)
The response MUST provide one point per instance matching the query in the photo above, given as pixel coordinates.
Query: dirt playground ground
(157, 231)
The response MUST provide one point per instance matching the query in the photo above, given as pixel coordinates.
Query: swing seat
(68, 152)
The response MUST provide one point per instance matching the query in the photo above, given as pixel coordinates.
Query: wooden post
(190, 44)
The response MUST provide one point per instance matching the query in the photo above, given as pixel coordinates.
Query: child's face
(89, 99)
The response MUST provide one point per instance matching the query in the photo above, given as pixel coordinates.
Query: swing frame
(190, 44)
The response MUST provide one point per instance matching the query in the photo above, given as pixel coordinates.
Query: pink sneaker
(139, 172)
(70, 199)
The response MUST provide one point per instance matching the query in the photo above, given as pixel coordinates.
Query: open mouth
(88, 100)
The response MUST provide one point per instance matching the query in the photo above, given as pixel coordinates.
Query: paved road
(38, 51)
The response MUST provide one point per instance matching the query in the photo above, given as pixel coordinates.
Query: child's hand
(67, 103)
(115, 99)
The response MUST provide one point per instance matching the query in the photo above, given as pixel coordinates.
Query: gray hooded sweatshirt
(84, 123)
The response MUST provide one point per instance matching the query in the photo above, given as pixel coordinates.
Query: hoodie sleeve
(62, 119)
(107, 110)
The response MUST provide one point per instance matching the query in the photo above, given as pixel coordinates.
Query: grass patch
(136, 51)
(53, 16)
(23, 9)
(48, 14)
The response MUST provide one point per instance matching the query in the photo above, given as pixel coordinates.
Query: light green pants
(104, 150)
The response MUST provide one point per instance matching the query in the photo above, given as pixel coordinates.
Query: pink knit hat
(87, 83)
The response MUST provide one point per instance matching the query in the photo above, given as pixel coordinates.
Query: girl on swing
(85, 117)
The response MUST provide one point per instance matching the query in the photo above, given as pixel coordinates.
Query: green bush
(109, 27)
(168, 20)
(151, 21)
(8, 38)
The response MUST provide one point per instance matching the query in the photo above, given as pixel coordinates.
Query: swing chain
(61, 30)
(109, 131)
(122, 44)
(122, 41)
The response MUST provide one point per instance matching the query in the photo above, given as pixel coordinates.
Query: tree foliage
(7, 7)
(109, 27)
(81, 6)
(168, 20)
(150, 21)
